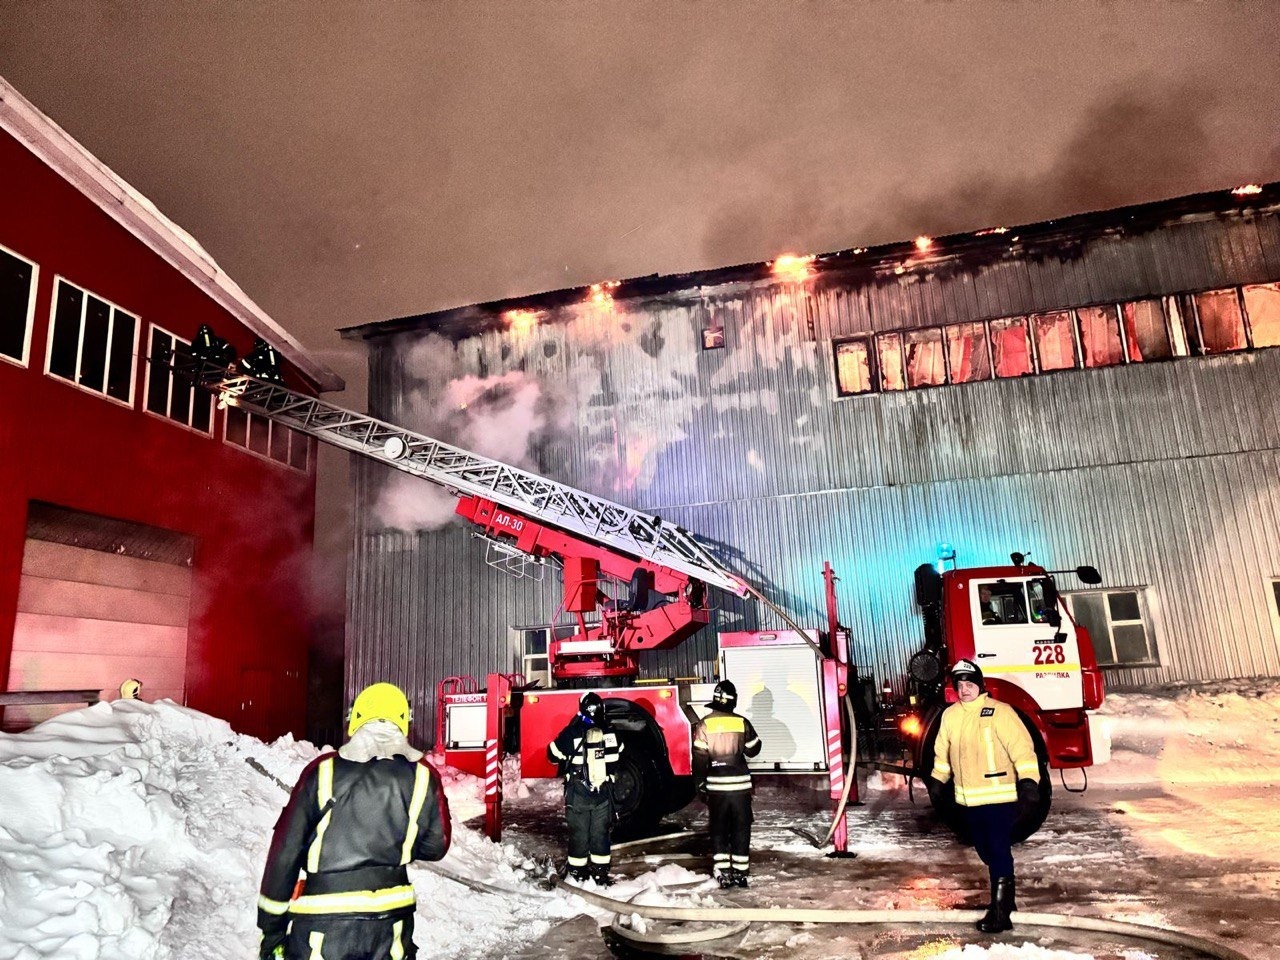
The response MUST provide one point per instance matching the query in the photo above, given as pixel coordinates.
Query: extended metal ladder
(630, 531)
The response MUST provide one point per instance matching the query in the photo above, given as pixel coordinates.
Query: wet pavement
(1091, 859)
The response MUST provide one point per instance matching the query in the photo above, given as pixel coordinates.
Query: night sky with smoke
(348, 162)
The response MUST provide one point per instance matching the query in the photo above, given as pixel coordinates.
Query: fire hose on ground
(733, 919)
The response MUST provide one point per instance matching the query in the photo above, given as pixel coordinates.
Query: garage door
(90, 618)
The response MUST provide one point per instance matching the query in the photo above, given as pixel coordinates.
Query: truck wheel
(1030, 819)
(945, 807)
(640, 788)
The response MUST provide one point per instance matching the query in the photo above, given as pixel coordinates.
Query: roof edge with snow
(66, 157)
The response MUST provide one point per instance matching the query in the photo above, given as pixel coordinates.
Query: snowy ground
(137, 831)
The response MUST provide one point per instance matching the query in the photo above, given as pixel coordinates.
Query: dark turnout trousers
(730, 831)
(589, 814)
(351, 937)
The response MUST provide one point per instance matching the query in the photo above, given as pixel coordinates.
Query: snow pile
(138, 831)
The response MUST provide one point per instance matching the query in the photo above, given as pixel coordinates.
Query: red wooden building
(143, 532)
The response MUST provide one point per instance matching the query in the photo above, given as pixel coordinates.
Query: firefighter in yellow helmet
(354, 821)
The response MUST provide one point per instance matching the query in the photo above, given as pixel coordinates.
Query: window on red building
(1221, 323)
(923, 352)
(17, 305)
(968, 355)
(1262, 304)
(1100, 336)
(272, 441)
(1055, 335)
(174, 399)
(1011, 347)
(92, 343)
(853, 366)
(889, 357)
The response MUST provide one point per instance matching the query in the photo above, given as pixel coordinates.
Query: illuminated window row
(93, 344)
(1212, 322)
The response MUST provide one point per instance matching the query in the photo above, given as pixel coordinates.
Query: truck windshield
(1002, 603)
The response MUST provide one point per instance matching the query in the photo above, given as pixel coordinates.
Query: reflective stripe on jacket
(722, 742)
(987, 749)
(574, 758)
(353, 826)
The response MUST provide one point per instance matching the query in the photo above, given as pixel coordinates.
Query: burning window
(1262, 304)
(1221, 324)
(1100, 336)
(853, 366)
(925, 366)
(1178, 314)
(17, 304)
(968, 355)
(1055, 340)
(1146, 332)
(1011, 347)
(889, 357)
(712, 338)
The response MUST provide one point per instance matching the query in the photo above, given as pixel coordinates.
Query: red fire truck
(633, 582)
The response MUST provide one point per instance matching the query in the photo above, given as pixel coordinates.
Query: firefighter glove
(1028, 792)
(274, 933)
(937, 790)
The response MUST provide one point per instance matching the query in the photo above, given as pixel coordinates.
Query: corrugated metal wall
(1163, 475)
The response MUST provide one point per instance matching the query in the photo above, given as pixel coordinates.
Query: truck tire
(1030, 819)
(944, 805)
(644, 788)
(948, 811)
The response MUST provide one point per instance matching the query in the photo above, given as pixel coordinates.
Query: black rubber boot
(1002, 904)
(601, 876)
(739, 879)
(579, 873)
(725, 879)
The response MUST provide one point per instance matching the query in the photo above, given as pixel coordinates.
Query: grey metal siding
(1163, 474)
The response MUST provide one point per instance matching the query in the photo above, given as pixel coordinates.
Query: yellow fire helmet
(381, 701)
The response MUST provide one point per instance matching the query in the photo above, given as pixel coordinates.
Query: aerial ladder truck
(662, 575)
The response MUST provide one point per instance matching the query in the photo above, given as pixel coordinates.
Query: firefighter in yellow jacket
(983, 745)
(354, 821)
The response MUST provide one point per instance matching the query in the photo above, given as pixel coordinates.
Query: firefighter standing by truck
(722, 742)
(586, 752)
(983, 745)
(353, 822)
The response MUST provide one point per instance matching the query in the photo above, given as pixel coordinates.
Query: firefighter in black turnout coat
(722, 742)
(586, 753)
(353, 822)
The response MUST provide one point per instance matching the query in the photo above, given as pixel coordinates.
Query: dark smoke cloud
(1147, 142)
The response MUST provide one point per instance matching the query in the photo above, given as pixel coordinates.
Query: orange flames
(520, 321)
(923, 243)
(990, 230)
(1247, 190)
(602, 293)
(795, 268)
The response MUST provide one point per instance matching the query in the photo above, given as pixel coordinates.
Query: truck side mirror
(1049, 591)
(1089, 575)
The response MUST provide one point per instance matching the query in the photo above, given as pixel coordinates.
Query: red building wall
(252, 519)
